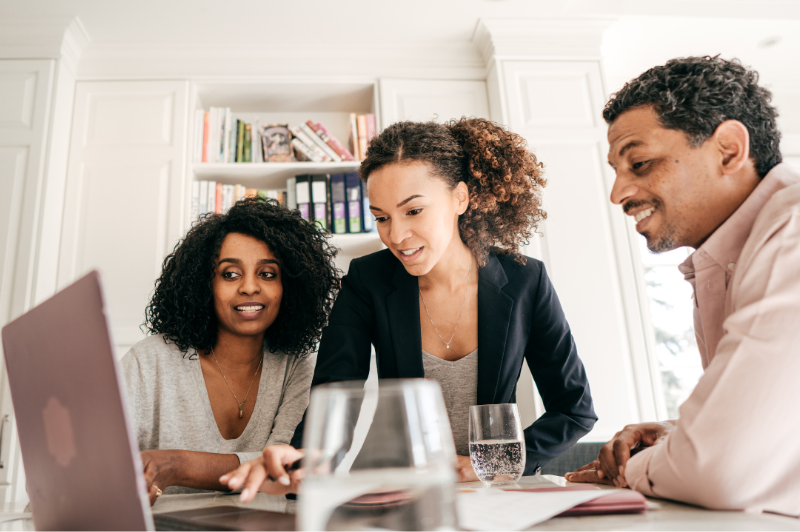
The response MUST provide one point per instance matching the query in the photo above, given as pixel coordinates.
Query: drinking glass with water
(380, 457)
(496, 443)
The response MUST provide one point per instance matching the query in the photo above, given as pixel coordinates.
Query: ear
(733, 142)
(461, 194)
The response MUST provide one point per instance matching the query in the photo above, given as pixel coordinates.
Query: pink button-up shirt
(737, 441)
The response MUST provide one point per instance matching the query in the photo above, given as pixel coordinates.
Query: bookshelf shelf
(267, 174)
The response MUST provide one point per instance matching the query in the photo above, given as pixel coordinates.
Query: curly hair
(182, 306)
(696, 94)
(504, 179)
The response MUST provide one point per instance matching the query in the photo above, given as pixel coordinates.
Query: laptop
(80, 455)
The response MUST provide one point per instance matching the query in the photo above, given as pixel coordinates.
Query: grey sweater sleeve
(140, 393)
(296, 392)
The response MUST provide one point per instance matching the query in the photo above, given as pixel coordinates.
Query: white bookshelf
(264, 102)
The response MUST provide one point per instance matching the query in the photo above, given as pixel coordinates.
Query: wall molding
(56, 38)
(575, 39)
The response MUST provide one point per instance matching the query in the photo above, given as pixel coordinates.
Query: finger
(237, 477)
(606, 460)
(257, 477)
(590, 465)
(274, 462)
(587, 476)
(622, 453)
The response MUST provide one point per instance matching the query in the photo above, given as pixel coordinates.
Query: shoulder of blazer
(376, 268)
(519, 276)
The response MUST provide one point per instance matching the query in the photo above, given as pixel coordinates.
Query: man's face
(665, 184)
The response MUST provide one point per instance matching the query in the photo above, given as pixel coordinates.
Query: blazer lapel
(402, 308)
(494, 317)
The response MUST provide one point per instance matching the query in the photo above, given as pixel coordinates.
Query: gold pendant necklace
(238, 403)
(447, 344)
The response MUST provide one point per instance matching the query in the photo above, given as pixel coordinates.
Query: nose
(623, 189)
(249, 284)
(398, 231)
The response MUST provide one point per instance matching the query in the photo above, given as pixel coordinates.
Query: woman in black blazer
(453, 204)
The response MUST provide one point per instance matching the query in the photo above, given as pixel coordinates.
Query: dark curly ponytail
(504, 179)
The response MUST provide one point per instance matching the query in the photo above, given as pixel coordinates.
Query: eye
(381, 219)
(639, 165)
(268, 275)
(230, 274)
(414, 212)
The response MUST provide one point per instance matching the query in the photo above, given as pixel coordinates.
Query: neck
(236, 349)
(741, 186)
(452, 269)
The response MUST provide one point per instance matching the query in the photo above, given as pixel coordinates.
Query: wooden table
(662, 515)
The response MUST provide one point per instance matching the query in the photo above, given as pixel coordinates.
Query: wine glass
(496, 443)
(378, 457)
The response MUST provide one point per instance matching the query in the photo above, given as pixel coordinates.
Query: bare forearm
(202, 470)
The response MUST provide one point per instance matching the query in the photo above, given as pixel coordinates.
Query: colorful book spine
(362, 136)
(303, 152)
(205, 137)
(291, 194)
(367, 218)
(353, 192)
(372, 127)
(303, 196)
(248, 144)
(250, 193)
(319, 155)
(226, 136)
(354, 145)
(218, 199)
(240, 141)
(325, 140)
(335, 144)
(338, 204)
(211, 199)
(316, 141)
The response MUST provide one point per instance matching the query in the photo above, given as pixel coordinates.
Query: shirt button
(731, 266)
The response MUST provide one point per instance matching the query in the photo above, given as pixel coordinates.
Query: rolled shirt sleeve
(735, 443)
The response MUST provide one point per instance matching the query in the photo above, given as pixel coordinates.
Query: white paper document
(494, 509)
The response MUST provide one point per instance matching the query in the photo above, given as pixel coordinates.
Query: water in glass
(496, 443)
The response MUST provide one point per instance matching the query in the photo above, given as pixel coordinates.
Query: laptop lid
(81, 459)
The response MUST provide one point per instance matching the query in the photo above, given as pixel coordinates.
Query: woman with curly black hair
(452, 298)
(235, 319)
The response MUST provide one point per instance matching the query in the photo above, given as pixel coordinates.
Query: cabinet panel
(422, 100)
(18, 90)
(125, 192)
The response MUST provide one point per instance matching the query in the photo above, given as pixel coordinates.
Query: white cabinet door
(25, 105)
(557, 107)
(125, 192)
(423, 100)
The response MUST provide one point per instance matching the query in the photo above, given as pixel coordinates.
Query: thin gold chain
(239, 404)
(447, 344)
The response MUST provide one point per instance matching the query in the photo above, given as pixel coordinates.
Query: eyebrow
(374, 208)
(239, 261)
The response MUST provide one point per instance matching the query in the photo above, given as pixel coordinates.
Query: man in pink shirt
(695, 148)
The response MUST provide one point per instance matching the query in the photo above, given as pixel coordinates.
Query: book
(338, 204)
(232, 141)
(276, 143)
(238, 192)
(317, 154)
(205, 137)
(303, 152)
(247, 155)
(220, 145)
(197, 147)
(203, 199)
(319, 199)
(227, 198)
(367, 218)
(303, 196)
(211, 200)
(354, 147)
(226, 136)
(218, 199)
(194, 210)
(332, 142)
(250, 193)
(320, 143)
(291, 195)
(353, 192)
(239, 141)
(362, 136)
(372, 127)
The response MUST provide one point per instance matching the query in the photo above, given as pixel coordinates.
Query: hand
(614, 455)
(464, 470)
(161, 469)
(255, 474)
(590, 473)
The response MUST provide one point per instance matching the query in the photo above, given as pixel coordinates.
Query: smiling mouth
(249, 308)
(643, 214)
(409, 252)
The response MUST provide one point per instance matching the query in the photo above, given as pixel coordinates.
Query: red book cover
(218, 200)
(331, 141)
(205, 137)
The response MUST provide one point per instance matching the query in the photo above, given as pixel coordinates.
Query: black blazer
(519, 318)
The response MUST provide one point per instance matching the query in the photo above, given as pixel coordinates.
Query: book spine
(303, 195)
(218, 199)
(238, 193)
(354, 147)
(203, 201)
(227, 198)
(226, 137)
(367, 218)
(194, 210)
(334, 143)
(338, 204)
(223, 116)
(305, 151)
(320, 143)
(234, 133)
(205, 137)
(353, 192)
(319, 155)
(322, 133)
(372, 127)
(255, 143)
(250, 193)
(291, 196)
(319, 197)
(197, 146)
(211, 200)
(362, 136)
(248, 144)
(240, 141)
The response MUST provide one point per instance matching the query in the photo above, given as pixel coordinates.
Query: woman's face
(247, 286)
(417, 213)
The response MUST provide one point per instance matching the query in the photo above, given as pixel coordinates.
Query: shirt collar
(725, 244)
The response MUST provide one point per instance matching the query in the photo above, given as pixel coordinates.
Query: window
(670, 298)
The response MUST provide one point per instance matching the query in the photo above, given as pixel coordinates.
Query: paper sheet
(494, 509)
